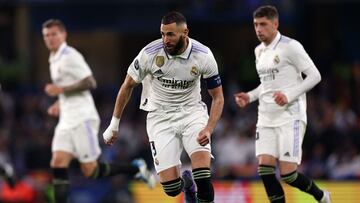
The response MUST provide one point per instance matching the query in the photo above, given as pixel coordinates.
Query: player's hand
(204, 137)
(111, 132)
(110, 136)
(242, 99)
(280, 98)
(54, 110)
(53, 90)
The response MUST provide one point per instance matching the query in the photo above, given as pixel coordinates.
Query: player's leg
(87, 150)
(296, 179)
(7, 171)
(62, 154)
(292, 135)
(138, 169)
(166, 150)
(167, 164)
(200, 163)
(266, 170)
(195, 118)
(267, 153)
(171, 181)
(59, 164)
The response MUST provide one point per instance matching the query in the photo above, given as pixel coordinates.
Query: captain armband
(213, 82)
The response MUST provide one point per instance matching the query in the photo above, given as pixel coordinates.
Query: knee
(174, 187)
(88, 168)
(60, 160)
(290, 177)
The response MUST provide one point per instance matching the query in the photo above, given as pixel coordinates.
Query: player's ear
(186, 31)
(276, 23)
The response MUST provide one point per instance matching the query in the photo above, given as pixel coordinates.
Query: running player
(170, 70)
(280, 63)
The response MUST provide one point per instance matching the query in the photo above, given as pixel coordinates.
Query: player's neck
(185, 46)
(271, 39)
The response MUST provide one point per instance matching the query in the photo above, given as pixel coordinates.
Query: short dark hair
(268, 11)
(173, 17)
(54, 22)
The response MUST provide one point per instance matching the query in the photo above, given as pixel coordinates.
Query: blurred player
(76, 135)
(170, 70)
(6, 169)
(280, 62)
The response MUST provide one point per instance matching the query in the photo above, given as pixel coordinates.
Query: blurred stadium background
(110, 33)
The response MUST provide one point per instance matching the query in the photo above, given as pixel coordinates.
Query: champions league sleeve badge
(136, 64)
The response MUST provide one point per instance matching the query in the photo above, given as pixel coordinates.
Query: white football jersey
(279, 66)
(67, 67)
(172, 80)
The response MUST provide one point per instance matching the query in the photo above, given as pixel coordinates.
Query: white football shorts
(283, 142)
(81, 141)
(172, 129)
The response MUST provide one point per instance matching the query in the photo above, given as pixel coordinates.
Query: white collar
(274, 43)
(55, 56)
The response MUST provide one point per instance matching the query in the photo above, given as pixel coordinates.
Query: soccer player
(170, 70)
(280, 63)
(6, 169)
(7, 172)
(77, 130)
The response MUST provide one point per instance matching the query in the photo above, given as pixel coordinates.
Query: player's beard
(178, 47)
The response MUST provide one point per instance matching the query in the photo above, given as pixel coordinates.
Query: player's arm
(313, 77)
(302, 61)
(217, 105)
(124, 94)
(84, 84)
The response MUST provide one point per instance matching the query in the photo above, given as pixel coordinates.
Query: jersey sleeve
(76, 66)
(210, 67)
(138, 69)
(298, 56)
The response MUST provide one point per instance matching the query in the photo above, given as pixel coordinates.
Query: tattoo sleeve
(85, 84)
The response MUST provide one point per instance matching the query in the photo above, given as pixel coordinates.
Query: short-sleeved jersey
(172, 80)
(67, 67)
(279, 66)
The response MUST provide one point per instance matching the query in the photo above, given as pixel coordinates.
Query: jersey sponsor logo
(136, 64)
(194, 71)
(159, 61)
(268, 74)
(175, 84)
(276, 59)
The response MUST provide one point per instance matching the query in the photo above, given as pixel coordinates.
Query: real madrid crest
(194, 71)
(159, 61)
(276, 59)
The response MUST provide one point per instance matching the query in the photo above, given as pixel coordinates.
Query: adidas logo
(287, 154)
(158, 73)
